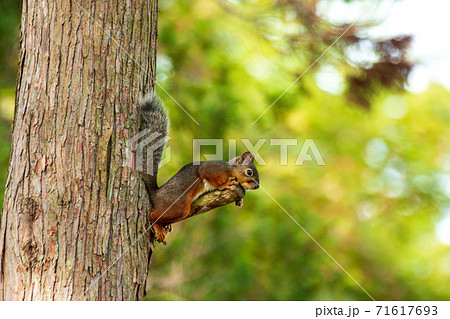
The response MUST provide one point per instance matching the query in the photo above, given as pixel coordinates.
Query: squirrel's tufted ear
(234, 161)
(246, 158)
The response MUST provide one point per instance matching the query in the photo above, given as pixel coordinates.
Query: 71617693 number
(407, 310)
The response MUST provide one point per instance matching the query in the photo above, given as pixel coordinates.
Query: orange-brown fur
(185, 186)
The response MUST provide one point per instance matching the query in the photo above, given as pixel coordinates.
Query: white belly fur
(207, 187)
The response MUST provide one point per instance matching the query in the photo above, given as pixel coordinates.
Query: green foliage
(373, 207)
(6, 109)
(5, 147)
(9, 35)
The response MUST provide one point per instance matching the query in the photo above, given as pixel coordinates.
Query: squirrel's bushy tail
(155, 121)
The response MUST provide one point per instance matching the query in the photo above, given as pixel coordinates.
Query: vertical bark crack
(108, 164)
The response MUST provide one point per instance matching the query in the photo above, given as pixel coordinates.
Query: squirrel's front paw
(239, 203)
(230, 183)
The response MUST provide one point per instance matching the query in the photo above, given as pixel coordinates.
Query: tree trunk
(72, 206)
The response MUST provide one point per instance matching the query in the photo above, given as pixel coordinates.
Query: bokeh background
(377, 105)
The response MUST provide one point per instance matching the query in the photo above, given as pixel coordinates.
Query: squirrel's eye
(249, 172)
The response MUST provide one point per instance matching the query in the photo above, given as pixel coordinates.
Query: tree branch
(214, 199)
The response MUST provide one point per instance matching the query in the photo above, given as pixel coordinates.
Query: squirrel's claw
(239, 203)
(230, 183)
(161, 240)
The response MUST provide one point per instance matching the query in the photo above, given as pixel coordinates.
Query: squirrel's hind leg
(160, 233)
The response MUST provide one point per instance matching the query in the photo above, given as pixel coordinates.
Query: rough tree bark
(72, 207)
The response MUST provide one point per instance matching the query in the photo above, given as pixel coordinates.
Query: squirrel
(172, 201)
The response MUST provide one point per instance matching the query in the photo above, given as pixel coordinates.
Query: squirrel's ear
(234, 161)
(246, 158)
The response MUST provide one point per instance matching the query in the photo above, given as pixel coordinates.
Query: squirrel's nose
(257, 186)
